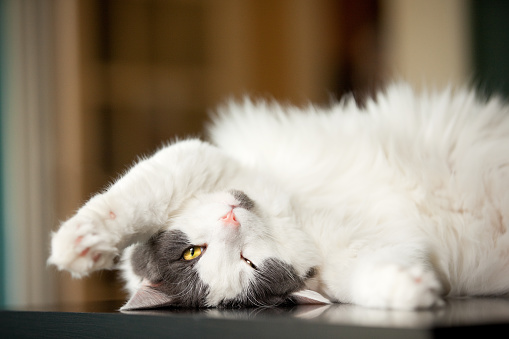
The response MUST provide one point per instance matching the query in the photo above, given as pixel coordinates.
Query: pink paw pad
(84, 252)
(78, 240)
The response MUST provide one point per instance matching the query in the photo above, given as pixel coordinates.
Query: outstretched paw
(83, 245)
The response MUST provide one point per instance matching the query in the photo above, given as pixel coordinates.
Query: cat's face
(222, 250)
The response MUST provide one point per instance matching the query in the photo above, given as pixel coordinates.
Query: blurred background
(87, 85)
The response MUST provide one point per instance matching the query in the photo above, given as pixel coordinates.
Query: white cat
(394, 205)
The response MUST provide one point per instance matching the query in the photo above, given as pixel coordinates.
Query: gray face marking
(244, 201)
(159, 260)
(274, 281)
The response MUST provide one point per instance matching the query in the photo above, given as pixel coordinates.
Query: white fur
(397, 204)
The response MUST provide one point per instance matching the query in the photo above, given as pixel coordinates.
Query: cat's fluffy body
(394, 205)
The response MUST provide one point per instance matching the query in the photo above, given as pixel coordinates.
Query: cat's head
(225, 250)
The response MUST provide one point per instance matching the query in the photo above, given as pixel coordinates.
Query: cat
(395, 205)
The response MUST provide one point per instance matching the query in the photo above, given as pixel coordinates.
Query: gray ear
(147, 297)
(309, 297)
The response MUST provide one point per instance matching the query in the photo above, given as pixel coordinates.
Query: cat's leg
(396, 279)
(138, 205)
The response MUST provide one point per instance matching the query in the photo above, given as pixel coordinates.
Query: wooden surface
(482, 316)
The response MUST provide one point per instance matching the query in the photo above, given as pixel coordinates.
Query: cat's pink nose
(229, 219)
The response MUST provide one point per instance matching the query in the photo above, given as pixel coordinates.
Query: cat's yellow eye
(192, 253)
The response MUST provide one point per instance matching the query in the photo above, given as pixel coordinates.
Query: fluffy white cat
(395, 205)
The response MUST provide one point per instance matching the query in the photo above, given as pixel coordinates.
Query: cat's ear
(147, 296)
(308, 297)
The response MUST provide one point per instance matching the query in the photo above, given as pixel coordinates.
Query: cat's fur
(394, 205)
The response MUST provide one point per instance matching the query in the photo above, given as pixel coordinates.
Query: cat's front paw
(394, 286)
(83, 245)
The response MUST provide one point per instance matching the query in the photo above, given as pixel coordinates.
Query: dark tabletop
(477, 316)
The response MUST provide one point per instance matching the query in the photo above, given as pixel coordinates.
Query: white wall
(27, 132)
